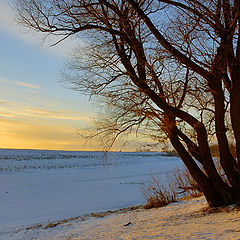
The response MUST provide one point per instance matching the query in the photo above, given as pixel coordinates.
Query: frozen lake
(40, 186)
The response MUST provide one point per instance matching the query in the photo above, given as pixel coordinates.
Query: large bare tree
(172, 67)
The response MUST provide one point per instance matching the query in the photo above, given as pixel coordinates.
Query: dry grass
(157, 195)
(181, 186)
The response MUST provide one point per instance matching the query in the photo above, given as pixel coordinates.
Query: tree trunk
(235, 109)
(228, 163)
(223, 189)
(212, 196)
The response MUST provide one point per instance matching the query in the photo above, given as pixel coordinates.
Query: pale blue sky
(36, 110)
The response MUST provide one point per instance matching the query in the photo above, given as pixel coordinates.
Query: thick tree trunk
(235, 109)
(216, 191)
(212, 196)
(223, 189)
(228, 163)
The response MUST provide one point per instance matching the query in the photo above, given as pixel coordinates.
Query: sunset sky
(36, 110)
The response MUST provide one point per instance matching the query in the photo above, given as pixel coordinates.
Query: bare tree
(170, 66)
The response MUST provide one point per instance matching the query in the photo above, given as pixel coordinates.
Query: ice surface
(40, 186)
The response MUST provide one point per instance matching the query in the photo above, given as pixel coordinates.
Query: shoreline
(80, 218)
(186, 219)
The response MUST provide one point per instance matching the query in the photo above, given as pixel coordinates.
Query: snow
(181, 220)
(42, 186)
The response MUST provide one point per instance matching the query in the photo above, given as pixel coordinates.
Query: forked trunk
(212, 196)
(217, 192)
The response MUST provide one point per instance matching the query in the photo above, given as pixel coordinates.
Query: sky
(37, 111)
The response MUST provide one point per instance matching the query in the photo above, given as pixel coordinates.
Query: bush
(157, 195)
(181, 184)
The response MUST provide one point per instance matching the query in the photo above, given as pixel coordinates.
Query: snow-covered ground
(41, 186)
(178, 221)
(182, 220)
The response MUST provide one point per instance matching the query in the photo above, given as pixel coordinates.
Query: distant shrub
(215, 150)
(171, 153)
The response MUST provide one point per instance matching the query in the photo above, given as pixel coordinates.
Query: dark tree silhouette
(172, 67)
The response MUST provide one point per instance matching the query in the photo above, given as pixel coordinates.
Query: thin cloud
(3, 102)
(15, 111)
(63, 114)
(27, 85)
(22, 84)
(41, 111)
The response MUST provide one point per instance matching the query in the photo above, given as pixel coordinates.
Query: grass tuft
(157, 195)
(181, 186)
